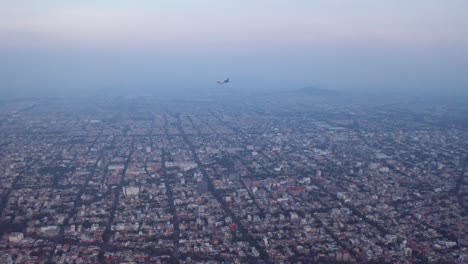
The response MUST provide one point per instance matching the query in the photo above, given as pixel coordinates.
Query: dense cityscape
(264, 180)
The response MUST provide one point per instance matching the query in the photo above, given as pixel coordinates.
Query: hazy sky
(104, 45)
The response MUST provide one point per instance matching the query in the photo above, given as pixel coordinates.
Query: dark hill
(311, 90)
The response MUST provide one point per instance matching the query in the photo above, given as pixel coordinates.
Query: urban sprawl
(136, 180)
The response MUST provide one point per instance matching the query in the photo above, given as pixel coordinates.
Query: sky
(56, 47)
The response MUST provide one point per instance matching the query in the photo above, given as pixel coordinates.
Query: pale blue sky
(342, 44)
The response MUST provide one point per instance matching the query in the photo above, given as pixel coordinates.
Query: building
(131, 190)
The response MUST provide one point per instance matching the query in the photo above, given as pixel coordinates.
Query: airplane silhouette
(223, 82)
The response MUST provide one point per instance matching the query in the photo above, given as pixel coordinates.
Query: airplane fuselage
(223, 82)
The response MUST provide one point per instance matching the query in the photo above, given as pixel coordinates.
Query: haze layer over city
(233, 131)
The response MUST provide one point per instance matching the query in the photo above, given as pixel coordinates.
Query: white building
(131, 190)
(15, 237)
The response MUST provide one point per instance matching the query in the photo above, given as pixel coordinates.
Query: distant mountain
(311, 90)
(301, 92)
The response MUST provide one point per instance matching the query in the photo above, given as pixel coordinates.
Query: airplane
(223, 82)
